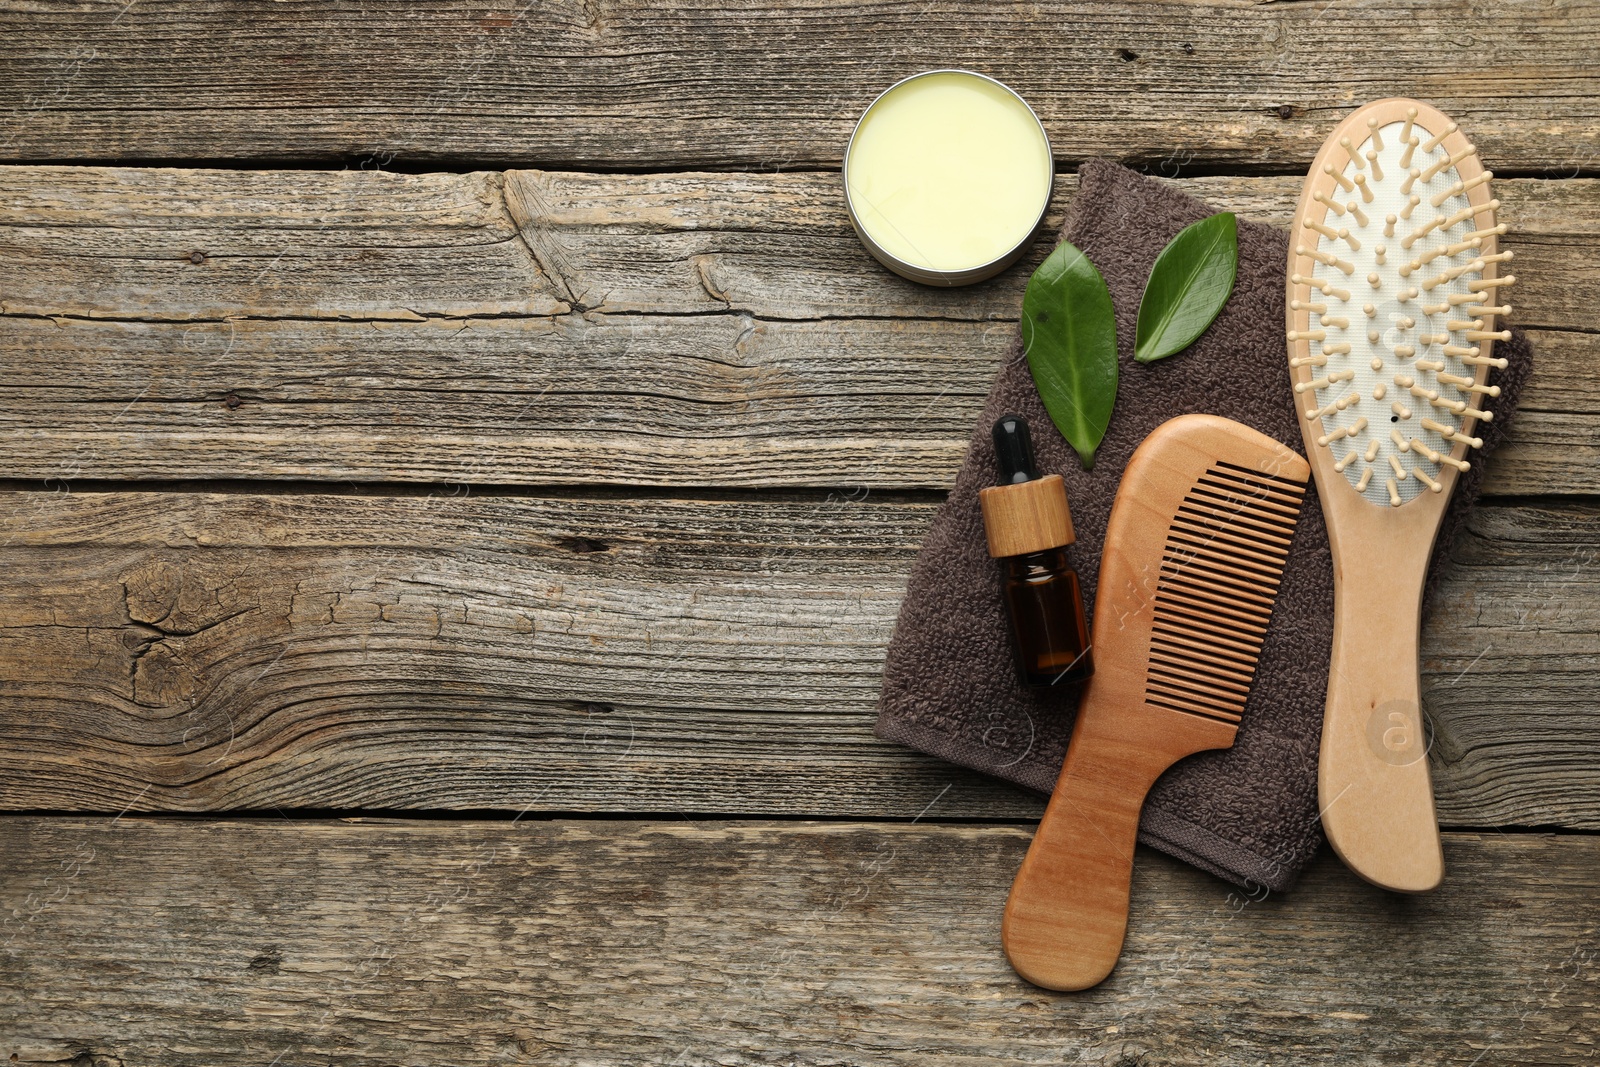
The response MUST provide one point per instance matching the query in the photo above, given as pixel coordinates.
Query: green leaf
(1188, 285)
(1069, 334)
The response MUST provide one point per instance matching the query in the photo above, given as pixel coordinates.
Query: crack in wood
(525, 207)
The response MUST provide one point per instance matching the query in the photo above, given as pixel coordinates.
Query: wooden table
(462, 471)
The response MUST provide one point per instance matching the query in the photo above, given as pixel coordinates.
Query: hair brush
(1198, 536)
(1393, 296)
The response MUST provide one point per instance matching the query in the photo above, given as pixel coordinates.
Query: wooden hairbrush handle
(1373, 784)
(1068, 910)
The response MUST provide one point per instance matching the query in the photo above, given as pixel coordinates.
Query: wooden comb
(1198, 536)
(1394, 293)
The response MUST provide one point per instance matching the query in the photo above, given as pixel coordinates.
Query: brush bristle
(1401, 294)
(1220, 570)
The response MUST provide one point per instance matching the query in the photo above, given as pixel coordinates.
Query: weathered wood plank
(208, 942)
(115, 242)
(1483, 609)
(169, 245)
(732, 330)
(720, 399)
(671, 400)
(200, 651)
(758, 84)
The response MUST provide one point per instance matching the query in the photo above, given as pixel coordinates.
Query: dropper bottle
(1029, 527)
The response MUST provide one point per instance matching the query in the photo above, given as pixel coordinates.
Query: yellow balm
(947, 176)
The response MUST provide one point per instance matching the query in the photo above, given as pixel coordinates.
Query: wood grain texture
(697, 651)
(621, 83)
(119, 242)
(537, 327)
(592, 652)
(188, 942)
(1024, 517)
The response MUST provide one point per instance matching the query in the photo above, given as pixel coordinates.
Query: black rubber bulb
(1013, 450)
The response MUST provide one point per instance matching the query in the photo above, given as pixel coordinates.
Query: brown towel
(950, 688)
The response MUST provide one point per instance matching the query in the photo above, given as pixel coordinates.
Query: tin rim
(999, 262)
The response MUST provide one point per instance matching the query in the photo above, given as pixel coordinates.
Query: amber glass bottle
(1029, 527)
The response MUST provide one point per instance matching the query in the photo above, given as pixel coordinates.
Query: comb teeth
(1220, 570)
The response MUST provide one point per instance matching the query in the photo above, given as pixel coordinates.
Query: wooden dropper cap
(1025, 513)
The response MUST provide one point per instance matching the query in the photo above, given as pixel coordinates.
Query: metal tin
(928, 275)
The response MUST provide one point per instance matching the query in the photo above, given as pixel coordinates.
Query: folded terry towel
(950, 687)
